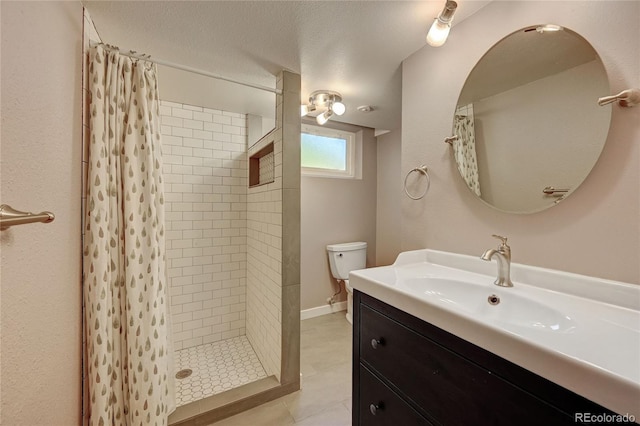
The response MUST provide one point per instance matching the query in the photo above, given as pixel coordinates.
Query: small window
(327, 152)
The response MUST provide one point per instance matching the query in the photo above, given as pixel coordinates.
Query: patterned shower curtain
(126, 296)
(464, 151)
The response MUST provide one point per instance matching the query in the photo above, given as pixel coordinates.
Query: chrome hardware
(10, 217)
(425, 171)
(451, 139)
(503, 256)
(375, 407)
(550, 190)
(626, 98)
(503, 240)
(375, 343)
(493, 299)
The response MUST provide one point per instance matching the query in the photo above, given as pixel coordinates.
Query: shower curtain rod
(131, 54)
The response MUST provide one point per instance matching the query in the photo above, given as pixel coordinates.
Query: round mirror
(527, 126)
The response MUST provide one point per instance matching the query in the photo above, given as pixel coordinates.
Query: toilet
(344, 258)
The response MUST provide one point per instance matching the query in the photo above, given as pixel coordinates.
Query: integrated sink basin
(491, 303)
(580, 332)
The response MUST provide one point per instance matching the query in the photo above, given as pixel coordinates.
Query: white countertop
(580, 332)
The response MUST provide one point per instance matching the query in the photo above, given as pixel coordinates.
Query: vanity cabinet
(409, 372)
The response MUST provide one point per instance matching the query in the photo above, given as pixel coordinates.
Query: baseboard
(323, 310)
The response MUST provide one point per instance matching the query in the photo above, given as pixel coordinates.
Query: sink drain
(493, 299)
(183, 374)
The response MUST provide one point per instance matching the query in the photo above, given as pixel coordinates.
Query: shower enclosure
(232, 254)
(232, 250)
(205, 167)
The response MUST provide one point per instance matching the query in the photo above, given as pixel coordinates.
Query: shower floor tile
(216, 368)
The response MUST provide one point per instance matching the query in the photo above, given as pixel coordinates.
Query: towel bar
(10, 217)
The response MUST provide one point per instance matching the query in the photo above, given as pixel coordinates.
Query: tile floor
(325, 397)
(216, 367)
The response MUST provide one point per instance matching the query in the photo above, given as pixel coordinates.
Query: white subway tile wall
(264, 304)
(264, 257)
(205, 177)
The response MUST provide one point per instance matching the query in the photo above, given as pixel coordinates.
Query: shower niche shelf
(262, 167)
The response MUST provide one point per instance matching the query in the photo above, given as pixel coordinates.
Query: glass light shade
(438, 33)
(304, 110)
(324, 117)
(338, 108)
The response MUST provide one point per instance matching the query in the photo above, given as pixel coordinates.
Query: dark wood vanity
(409, 372)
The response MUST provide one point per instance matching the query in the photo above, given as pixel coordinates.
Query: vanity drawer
(438, 382)
(388, 408)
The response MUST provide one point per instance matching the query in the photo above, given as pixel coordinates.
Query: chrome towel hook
(423, 170)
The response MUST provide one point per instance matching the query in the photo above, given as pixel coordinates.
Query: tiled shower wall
(264, 275)
(205, 175)
(273, 244)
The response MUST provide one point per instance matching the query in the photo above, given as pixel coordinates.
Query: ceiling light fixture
(328, 101)
(441, 25)
(306, 109)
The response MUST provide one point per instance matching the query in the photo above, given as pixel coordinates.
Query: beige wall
(596, 230)
(41, 170)
(336, 211)
(389, 198)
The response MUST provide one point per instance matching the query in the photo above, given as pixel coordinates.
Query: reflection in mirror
(527, 118)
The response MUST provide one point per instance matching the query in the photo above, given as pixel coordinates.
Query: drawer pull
(376, 342)
(375, 407)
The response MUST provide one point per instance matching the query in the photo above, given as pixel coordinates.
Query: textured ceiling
(353, 47)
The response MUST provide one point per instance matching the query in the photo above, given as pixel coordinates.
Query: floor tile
(335, 415)
(216, 367)
(325, 395)
(272, 413)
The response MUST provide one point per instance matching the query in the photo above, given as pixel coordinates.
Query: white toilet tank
(346, 257)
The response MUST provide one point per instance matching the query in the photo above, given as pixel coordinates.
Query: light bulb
(548, 28)
(442, 25)
(438, 33)
(338, 108)
(324, 117)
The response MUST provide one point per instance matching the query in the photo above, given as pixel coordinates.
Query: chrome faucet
(503, 256)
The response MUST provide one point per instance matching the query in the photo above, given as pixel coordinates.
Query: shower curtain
(126, 296)
(464, 151)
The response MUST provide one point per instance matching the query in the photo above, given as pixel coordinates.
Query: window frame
(350, 152)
